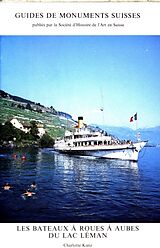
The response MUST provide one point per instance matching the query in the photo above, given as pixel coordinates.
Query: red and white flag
(133, 118)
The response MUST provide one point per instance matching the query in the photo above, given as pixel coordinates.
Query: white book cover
(99, 60)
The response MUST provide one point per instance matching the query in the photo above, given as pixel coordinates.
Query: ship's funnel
(80, 122)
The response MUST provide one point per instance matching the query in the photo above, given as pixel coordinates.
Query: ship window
(99, 142)
(76, 136)
(95, 143)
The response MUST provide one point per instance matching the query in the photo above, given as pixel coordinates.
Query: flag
(133, 118)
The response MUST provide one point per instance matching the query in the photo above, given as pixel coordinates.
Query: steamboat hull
(129, 153)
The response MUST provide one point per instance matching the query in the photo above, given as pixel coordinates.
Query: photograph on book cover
(67, 101)
(80, 137)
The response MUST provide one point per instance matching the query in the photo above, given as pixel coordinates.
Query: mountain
(56, 122)
(150, 134)
(4, 94)
(25, 103)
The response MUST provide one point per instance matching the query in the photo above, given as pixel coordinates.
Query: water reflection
(81, 163)
(96, 175)
(77, 189)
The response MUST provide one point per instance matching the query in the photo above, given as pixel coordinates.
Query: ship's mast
(102, 106)
(134, 118)
(138, 134)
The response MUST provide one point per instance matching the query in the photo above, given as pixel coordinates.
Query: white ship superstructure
(87, 142)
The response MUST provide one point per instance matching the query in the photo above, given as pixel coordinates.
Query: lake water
(79, 189)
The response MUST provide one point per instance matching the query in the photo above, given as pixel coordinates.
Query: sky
(81, 75)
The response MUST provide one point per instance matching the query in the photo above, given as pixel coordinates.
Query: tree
(46, 141)
(34, 130)
(8, 132)
(53, 110)
(28, 106)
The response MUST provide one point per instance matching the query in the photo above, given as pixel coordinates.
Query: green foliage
(9, 133)
(28, 106)
(46, 141)
(34, 130)
(54, 126)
